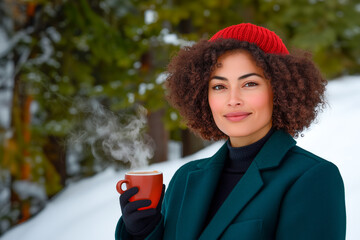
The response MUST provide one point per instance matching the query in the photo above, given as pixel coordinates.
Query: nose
(234, 98)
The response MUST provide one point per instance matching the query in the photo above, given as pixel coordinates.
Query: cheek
(215, 104)
(263, 101)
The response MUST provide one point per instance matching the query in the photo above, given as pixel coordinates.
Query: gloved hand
(139, 223)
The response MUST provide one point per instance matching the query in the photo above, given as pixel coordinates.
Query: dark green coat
(286, 194)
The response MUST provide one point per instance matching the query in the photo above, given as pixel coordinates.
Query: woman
(243, 85)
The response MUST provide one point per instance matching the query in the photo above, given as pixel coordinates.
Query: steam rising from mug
(120, 137)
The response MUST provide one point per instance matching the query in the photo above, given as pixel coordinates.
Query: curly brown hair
(297, 85)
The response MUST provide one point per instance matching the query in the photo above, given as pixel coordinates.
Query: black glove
(139, 223)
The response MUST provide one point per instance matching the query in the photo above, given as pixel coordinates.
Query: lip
(236, 116)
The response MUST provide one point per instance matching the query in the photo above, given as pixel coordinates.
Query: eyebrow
(240, 78)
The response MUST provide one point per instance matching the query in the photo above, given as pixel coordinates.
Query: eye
(218, 87)
(251, 84)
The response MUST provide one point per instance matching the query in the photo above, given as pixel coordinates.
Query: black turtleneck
(238, 161)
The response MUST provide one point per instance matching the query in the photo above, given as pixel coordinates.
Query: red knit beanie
(267, 40)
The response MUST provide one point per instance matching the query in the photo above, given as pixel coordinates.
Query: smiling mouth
(235, 117)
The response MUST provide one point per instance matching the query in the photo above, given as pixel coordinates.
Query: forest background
(64, 62)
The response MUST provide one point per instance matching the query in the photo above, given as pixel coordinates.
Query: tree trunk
(190, 143)
(159, 134)
(55, 153)
(17, 153)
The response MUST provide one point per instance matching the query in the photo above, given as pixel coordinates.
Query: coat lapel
(249, 185)
(200, 187)
(243, 192)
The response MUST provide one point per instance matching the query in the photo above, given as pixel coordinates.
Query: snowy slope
(89, 209)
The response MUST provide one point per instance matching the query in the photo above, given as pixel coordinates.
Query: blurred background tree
(114, 53)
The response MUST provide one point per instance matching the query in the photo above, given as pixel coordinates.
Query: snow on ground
(89, 209)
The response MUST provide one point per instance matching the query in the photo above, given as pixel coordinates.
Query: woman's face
(240, 98)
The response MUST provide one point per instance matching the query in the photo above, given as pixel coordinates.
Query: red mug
(149, 183)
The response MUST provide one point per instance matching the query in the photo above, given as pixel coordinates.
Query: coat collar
(274, 150)
(201, 184)
(269, 156)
